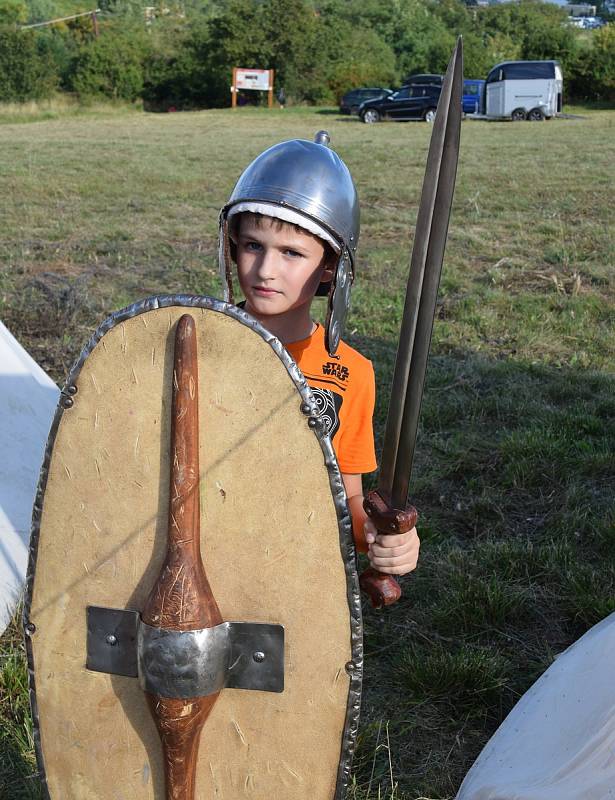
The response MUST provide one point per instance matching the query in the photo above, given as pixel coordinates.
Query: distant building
(581, 10)
(561, 3)
(151, 13)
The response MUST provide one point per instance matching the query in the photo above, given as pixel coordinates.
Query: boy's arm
(395, 554)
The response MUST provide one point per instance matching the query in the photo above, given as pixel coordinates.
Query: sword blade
(422, 290)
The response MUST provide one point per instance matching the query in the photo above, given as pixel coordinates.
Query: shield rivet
(259, 656)
(306, 408)
(68, 402)
(312, 422)
(71, 389)
(30, 628)
(111, 639)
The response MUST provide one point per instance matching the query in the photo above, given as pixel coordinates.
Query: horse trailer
(521, 90)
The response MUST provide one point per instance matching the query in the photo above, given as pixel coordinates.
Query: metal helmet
(306, 183)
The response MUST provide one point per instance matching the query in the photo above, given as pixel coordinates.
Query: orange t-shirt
(344, 388)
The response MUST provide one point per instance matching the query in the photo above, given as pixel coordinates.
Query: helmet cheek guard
(308, 184)
(339, 302)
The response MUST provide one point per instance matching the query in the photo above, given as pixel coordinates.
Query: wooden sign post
(260, 80)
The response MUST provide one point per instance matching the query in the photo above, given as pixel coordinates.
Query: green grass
(18, 779)
(514, 473)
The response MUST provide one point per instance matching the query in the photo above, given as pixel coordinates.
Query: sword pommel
(382, 590)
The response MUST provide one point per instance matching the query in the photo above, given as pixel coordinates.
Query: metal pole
(61, 19)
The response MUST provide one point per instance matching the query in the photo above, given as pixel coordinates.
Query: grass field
(514, 477)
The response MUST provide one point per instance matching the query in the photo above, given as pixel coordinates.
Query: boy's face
(279, 268)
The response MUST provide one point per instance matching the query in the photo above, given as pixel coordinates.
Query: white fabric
(288, 215)
(558, 742)
(28, 398)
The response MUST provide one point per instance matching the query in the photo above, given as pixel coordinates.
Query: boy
(290, 230)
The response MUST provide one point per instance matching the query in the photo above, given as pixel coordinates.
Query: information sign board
(259, 80)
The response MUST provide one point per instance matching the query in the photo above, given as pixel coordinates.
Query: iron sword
(387, 505)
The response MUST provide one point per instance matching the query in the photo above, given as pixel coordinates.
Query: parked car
(350, 102)
(472, 96)
(409, 102)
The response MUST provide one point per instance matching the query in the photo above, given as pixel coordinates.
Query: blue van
(473, 96)
(473, 90)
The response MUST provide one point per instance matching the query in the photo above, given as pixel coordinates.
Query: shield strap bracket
(185, 664)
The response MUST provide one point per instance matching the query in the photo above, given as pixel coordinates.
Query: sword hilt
(382, 588)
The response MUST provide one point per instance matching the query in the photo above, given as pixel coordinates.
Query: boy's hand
(395, 554)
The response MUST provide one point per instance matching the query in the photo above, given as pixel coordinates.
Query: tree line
(180, 53)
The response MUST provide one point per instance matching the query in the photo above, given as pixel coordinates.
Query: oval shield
(277, 548)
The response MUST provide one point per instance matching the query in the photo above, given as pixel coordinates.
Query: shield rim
(346, 541)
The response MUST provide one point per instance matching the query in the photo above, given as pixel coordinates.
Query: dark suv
(409, 102)
(350, 102)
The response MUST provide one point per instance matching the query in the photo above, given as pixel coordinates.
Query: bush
(13, 12)
(593, 75)
(110, 66)
(178, 72)
(358, 58)
(25, 73)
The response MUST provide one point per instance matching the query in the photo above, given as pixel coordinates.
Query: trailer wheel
(518, 115)
(536, 115)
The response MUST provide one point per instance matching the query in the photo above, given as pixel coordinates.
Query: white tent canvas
(28, 398)
(558, 742)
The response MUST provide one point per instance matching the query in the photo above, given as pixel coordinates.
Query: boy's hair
(330, 256)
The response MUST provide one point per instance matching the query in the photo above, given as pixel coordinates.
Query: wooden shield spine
(346, 542)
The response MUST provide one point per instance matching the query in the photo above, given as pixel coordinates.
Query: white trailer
(521, 90)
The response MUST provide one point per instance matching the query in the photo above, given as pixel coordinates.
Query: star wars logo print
(336, 370)
(328, 406)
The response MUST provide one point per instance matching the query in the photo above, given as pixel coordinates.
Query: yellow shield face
(276, 545)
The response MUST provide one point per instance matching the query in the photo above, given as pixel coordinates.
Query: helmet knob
(322, 137)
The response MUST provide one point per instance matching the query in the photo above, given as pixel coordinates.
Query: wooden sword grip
(181, 598)
(383, 589)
